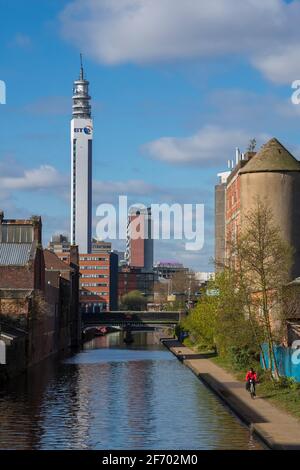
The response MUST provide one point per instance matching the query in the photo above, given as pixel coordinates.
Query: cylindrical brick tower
(273, 174)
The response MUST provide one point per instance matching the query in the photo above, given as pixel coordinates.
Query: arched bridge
(125, 319)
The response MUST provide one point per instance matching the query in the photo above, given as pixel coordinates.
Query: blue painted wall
(288, 361)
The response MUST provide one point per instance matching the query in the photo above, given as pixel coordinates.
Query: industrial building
(168, 268)
(273, 175)
(39, 295)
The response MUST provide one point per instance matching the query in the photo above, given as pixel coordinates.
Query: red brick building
(136, 279)
(37, 300)
(233, 202)
(62, 292)
(139, 248)
(22, 263)
(98, 281)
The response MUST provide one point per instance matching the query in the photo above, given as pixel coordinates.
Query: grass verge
(285, 396)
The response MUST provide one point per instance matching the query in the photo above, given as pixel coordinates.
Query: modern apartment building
(98, 282)
(99, 246)
(59, 244)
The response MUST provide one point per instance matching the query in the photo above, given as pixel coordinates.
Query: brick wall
(14, 307)
(31, 276)
(16, 277)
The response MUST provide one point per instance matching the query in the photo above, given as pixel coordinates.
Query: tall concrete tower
(81, 165)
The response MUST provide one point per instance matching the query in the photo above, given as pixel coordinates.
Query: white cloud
(211, 146)
(116, 188)
(14, 179)
(282, 65)
(44, 177)
(139, 31)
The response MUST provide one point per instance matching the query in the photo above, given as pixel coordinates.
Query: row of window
(16, 233)
(92, 258)
(74, 190)
(94, 284)
(94, 307)
(96, 268)
(94, 276)
(90, 293)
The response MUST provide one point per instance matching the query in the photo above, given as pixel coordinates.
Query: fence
(288, 361)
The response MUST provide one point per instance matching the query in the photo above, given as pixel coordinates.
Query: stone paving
(276, 428)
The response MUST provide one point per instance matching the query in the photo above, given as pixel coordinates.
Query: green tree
(202, 319)
(249, 307)
(134, 300)
(264, 259)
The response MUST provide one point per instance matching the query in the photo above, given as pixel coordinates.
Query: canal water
(113, 396)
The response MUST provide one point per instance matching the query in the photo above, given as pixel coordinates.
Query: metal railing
(137, 318)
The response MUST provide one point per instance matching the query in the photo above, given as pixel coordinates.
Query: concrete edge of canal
(276, 429)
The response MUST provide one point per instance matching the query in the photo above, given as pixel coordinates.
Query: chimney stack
(37, 228)
(74, 256)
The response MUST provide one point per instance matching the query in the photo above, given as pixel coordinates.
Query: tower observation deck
(81, 98)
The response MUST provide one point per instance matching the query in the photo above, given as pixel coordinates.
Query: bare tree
(264, 261)
(185, 283)
(252, 145)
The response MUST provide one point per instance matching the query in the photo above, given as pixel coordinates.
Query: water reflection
(113, 396)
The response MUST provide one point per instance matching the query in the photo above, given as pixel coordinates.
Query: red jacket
(251, 376)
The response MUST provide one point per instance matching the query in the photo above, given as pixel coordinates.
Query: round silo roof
(272, 156)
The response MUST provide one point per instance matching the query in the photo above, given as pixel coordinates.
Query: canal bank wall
(277, 429)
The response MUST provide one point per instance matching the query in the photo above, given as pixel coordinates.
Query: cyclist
(251, 375)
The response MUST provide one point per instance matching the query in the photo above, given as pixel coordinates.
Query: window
(93, 284)
(94, 276)
(96, 268)
(16, 233)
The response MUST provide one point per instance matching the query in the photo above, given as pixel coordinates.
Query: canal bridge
(132, 319)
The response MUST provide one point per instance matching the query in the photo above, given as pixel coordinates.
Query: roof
(16, 254)
(272, 156)
(52, 262)
(11, 329)
(169, 262)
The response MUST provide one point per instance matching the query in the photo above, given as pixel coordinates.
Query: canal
(113, 396)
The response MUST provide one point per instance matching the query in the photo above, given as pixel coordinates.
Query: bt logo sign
(86, 130)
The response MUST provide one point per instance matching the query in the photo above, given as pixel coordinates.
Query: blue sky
(176, 86)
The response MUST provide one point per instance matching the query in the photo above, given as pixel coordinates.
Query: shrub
(287, 382)
(242, 358)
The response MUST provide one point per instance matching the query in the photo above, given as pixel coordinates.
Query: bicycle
(252, 389)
